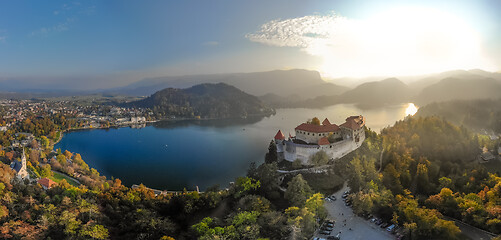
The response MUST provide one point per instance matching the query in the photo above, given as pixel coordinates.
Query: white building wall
(335, 150)
(310, 137)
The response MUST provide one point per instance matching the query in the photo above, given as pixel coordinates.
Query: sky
(102, 44)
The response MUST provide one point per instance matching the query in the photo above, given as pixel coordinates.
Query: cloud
(59, 27)
(296, 32)
(68, 11)
(401, 41)
(210, 43)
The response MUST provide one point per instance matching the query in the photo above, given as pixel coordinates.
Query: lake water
(174, 155)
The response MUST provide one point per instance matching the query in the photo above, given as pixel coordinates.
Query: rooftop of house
(323, 141)
(354, 122)
(16, 165)
(46, 182)
(325, 127)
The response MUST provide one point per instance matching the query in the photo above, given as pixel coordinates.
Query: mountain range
(284, 83)
(452, 85)
(304, 88)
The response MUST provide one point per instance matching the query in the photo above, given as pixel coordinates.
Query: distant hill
(205, 100)
(480, 114)
(473, 87)
(426, 81)
(371, 94)
(284, 83)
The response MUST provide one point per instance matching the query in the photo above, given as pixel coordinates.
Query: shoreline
(159, 120)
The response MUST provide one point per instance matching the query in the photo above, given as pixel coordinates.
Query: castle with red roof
(311, 138)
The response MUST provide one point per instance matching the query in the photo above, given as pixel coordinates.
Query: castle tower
(279, 141)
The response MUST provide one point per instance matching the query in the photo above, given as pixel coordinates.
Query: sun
(399, 42)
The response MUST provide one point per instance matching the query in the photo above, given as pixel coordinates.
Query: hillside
(205, 100)
(371, 94)
(481, 114)
(281, 82)
(474, 87)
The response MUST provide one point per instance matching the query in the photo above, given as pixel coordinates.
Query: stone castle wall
(292, 151)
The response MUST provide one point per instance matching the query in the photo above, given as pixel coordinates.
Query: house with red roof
(46, 183)
(311, 138)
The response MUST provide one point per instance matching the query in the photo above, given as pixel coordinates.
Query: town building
(311, 138)
(46, 183)
(20, 168)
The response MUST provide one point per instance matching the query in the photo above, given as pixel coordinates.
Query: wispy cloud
(397, 42)
(70, 13)
(60, 27)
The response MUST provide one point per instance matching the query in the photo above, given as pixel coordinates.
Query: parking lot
(346, 219)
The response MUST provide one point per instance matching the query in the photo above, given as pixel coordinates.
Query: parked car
(333, 198)
(333, 238)
(329, 224)
(327, 228)
(384, 225)
(391, 228)
(379, 222)
(324, 232)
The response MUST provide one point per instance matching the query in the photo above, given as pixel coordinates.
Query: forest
(428, 171)
(419, 174)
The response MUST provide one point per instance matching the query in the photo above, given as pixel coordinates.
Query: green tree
(45, 142)
(297, 164)
(271, 155)
(95, 232)
(320, 158)
(315, 204)
(298, 191)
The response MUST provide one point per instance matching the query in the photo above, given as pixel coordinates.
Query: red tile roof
(318, 128)
(354, 122)
(323, 141)
(46, 182)
(280, 135)
(326, 122)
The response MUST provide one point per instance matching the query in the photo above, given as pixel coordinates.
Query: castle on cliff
(336, 141)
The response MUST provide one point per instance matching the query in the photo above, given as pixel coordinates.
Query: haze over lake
(173, 155)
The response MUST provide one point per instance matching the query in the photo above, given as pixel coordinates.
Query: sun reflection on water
(411, 109)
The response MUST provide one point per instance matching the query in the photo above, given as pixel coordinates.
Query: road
(472, 232)
(361, 229)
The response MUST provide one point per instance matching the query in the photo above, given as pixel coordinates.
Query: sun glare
(402, 41)
(411, 109)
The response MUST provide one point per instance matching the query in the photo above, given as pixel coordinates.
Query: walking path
(313, 169)
(471, 231)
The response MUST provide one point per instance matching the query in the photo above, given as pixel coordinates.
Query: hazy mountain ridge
(451, 85)
(205, 100)
(284, 83)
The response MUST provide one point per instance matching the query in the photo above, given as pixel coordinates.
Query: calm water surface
(173, 155)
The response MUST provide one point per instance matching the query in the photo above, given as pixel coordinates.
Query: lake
(173, 155)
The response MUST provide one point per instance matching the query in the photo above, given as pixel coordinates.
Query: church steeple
(23, 159)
